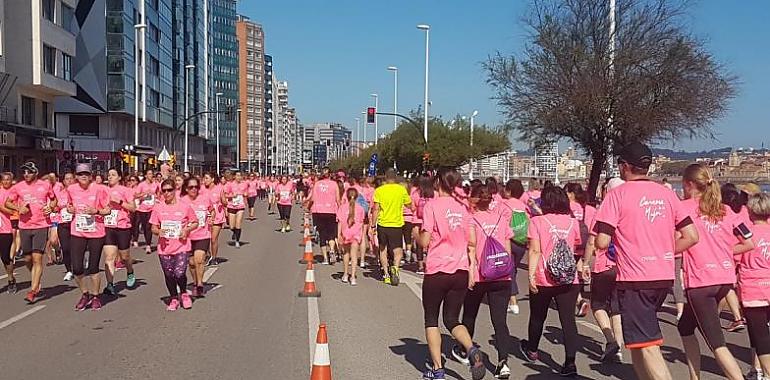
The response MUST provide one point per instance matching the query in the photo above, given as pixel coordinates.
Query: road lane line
(591, 326)
(209, 272)
(2, 277)
(313, 320)
(21, 316)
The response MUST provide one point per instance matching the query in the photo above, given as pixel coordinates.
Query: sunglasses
(168, 190)
(193, 187)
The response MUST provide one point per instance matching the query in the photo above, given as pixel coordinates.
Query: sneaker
(434, 374)
(326, 261)
(583, 307)
(210, 261)
(502, 371)
(84, 302)
(755, 374)
(736, 326)
(31, 297)
(345, 278)
(130, 280)
(283, 230)
(173, 304)
(394, 272)
(420, 272)
(363, 263)
(237, 244)
(568, 370)
(195, 292)
(610, 352)
(477, 363)
(69, 276)
(201, 291)
(386, 280)
(147, 250)
(109, 289)
(513, 309)
(459, 354)
(119, 264)
(186, 301)
(529, 356)
(96, 303)
(135, 244)
(353, 281)
(19, 255)
(12, 288)
(288, 228)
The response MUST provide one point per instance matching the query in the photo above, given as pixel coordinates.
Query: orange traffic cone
(307, 257)
(322, 368)
(309, 289)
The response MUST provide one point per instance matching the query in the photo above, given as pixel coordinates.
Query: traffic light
(151, 161)
(371, 112)
(425, 159)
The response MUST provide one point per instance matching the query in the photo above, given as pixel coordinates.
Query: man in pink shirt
(34, 200)
(642, 217)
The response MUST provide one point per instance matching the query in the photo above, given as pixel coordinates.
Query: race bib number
(285, 195)
(149, 200)
(238, 200)
(171, 229)
(201, 215)
(112, 219)
(66, 216)
(85, 223)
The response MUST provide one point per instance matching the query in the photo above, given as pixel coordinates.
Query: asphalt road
(252, 325)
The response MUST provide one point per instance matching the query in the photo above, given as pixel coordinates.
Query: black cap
(636, 154)
(29, 166)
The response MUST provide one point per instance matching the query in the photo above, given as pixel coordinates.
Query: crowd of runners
(618, 255)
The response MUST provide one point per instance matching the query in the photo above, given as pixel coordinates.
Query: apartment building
(251, 57)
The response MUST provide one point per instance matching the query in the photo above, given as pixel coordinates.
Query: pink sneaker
(119, 264)
(186, 300)
(173, 305)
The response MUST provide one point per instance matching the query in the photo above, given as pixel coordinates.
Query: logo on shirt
(454, 220)
(653, 208)
(711, 226)
(764, 248)
(489, 229)
(323, 187)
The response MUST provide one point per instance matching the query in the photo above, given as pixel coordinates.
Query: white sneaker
(513, 309)
(363, 263)
(69, 276)
(353, 281)
(237, 244)
(344, 278)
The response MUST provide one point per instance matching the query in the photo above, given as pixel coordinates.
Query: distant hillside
(684, 155)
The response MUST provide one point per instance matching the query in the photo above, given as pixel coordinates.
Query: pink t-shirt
(147, 202)
(645, 216)
(172, 218)
(368, 193)
(497, 199)
(262, 184)
(202, 208)
(252, 188)
(754, 271)
(36, 196)
(710, 261)
(119, 216)
(86, 225)
(494, 224)
(415, 195)
(5, 219)
(602, 262)
(61, 215)
(448, 221)
(548, 229)
(354, 233)
(238, 192)
(284, 192)
(324, 196)
(215, 197)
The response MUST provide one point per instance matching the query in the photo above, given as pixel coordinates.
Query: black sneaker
(529, 356)
(476, 358)
(460, 355)
(610, 352)
(568, 370)
(502, 371)
(12, 287)
(109, 290)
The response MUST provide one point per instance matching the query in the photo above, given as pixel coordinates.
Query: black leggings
(143, 219)
(759, 333)
(6, 240)
(566, 297)
(134, 226)
(79, 246)
(518, 254)
(65, 239)
(498, 293)
(702, 312)
(446, 289)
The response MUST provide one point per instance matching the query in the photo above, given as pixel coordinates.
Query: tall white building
(546, 160)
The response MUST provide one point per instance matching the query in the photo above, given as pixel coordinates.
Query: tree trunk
(599, 157)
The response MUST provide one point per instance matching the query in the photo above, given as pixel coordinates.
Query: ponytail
(352, 196)
(710, 202)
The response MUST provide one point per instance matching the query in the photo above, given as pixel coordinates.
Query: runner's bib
(149, 200)
(112, 219)
(66, 217)
(172, 229)
(238, 200)
(85, 223)
(285, 195)
(201, 218)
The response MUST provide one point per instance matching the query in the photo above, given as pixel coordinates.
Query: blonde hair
(759, 206)
(710, 203)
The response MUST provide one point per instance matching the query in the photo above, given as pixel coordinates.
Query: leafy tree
(662, 85)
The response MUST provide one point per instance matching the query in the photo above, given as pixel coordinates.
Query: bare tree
(661, 85)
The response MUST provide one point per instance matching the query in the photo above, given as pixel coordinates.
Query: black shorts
(639, 312)
(407, 232)
(284, 212)
(604, 295)
(326, 224)
(702, 312)
(15, 224)
(6, 240)
(119, 237)
(200, 245)
(33, 240)
(390, 237)
(251, 200)
(234, 211)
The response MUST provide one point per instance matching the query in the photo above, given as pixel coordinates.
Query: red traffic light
(371, 112)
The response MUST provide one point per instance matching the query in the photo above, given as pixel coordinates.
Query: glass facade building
(223, 61)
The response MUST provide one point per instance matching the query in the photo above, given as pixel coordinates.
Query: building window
(27, 111)
(45, 114)
(67, 18)
(49, 7)
(49, 60)
(84, 125)
(66, 67)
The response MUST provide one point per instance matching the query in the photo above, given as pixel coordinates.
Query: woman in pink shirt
(118, 231)
(555, 229)
(367, 191)
(271, 182)
(173, 221)
(215, 192)
(251, 198)
(6, 232)
(89, 203)
(200, 238)
(512, 205)
(708, 266)
(146, 194)
(451, 246)
(584, 215)
(324, 200)
(62, 218)
(235, 193)
(178, 182)
(422, 192)
(285, 191)
(350, 223)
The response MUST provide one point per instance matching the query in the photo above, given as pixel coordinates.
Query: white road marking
(209, 272)
(4, 276)
(214, 288)
(21, 316)
(313, 320)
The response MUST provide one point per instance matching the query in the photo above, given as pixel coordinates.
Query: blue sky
(334, 53)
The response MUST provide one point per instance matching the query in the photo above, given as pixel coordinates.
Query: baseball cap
(30, 167)
(83, 168)
(636, 154)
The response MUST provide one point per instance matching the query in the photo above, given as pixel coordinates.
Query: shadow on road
(416, 353)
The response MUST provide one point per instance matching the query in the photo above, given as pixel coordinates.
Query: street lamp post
(426, 28)
(359, 137)
(376, 104)
(238, 140)
(394, 69)
(137, 29)
(186, 112)
(358, 133)
(216, 99)
(470, 162)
